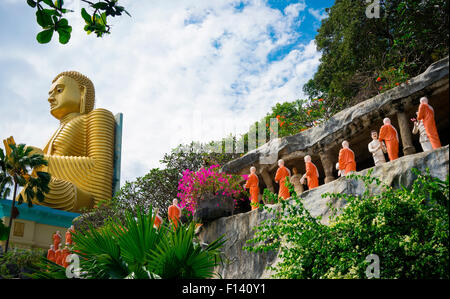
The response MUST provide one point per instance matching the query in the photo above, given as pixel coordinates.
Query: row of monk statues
(387, 141)
(173, 215)
(57, 253)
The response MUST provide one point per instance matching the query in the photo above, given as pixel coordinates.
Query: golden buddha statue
(80, 153)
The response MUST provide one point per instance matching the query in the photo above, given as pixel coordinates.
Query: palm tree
(135, 249)
(17, 164)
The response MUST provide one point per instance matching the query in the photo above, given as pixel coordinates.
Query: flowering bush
(195, 185)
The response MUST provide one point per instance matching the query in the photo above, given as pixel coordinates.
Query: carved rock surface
(239, 228)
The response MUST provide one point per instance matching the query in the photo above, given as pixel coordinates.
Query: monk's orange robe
(426, 114)
(312, 175)
(68, 237)
(51, 255)
(389, 135)
(64, 254)
(56, 241)
(157, 221)
(58, 257)
(280, 177)
(174, 215)
(347, 160)
(253, 185)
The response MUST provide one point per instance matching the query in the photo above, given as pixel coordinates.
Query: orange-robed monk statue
(347, 161)
(389, 135)
(426, 115)
(51, 254)
(280, 178)
(311, 174)
(174, 213)
(56, 240)
(253, 185)
(80, 153)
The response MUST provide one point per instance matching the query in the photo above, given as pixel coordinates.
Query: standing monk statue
(426, 115)
(280, 178)
(56, 239)
(388, 135)
(174, 213)
(347, 161)
(80, 153)
(51, 254)
(423, 137)
(253, 184)
(311, 174)
(295, 180)
(157, 220)
(69, 235)
(377, 149)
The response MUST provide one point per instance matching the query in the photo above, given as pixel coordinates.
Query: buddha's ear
(83, 99)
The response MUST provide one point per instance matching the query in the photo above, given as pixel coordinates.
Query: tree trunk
(11, 217)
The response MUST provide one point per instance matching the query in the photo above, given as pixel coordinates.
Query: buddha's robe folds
(426, 115)
(280, 177)
(253, 185)
(56, 241)
(312, 175)
(389, 135)
(51, 255)
(174, 215)
(347, 161)
(80, 160)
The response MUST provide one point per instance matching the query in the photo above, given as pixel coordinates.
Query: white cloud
(318, 14)
(171, 59)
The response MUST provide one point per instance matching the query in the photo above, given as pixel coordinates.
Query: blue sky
(178, 70)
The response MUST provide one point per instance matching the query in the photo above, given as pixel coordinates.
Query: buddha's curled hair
(84, 81)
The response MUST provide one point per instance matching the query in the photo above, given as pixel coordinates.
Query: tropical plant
(136, 249)
(49, 15)
(194, 185)
(18, 263)
(407, 228)
(4, 231)
(23, 167)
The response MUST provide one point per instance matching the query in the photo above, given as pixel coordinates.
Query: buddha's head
(71, 92)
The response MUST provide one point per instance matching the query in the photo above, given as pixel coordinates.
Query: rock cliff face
(239, 228)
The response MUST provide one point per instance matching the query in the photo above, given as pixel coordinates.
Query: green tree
(136, 249)
(22, 166)
(357, 49)
(50, 16)
(407, 228)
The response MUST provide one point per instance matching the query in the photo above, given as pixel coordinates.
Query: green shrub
(408, 229)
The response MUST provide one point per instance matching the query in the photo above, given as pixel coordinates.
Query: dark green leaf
(45, 36)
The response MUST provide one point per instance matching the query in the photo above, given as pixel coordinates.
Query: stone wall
(239, 228)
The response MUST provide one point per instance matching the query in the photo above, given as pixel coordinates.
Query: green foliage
(158, 187)
(4, 231)
(17, 263)
(407, 228)
(135, 249)
(409, 35)
(49, 16)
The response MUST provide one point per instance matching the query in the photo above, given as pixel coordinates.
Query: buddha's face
(64, 97)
